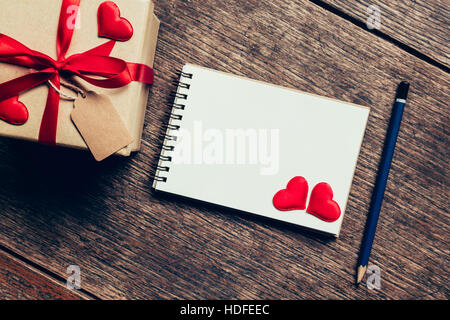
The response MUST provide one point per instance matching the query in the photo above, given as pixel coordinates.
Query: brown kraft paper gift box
(35, 22)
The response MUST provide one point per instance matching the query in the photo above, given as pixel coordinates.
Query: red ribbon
(94, 66)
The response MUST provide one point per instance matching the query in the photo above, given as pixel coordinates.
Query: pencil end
(360, 274)
(402, 90)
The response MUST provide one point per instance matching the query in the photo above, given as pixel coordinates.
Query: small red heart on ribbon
(321, 203)
(293, 197)
(111, 25)
(13, 111)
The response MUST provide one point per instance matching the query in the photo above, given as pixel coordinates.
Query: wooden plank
(19, 281)
(60, 208)
(421, 24)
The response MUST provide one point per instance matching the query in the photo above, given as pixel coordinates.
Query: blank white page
(318, 138)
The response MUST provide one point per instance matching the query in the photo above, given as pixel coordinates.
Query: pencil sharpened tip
(360, 274)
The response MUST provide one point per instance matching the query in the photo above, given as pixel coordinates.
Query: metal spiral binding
(175, 106)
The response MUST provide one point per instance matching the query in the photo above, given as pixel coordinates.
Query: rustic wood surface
(421, 24)
(58, 207)
(20, 281)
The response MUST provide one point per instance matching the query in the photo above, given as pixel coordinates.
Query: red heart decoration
(322, 205)
(293, 197)
(111, 25)
(13, 111)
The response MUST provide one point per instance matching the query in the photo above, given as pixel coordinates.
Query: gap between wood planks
(84, 294)
(327, 7)
(382, 35)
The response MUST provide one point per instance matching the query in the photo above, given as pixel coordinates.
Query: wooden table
(60, 208)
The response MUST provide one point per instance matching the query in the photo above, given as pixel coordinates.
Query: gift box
(106, 46)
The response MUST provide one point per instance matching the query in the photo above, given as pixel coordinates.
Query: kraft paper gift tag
(100, 125)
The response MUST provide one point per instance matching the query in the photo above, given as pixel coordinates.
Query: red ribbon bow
(94, 66)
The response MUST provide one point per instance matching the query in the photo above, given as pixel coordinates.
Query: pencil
(383, 173)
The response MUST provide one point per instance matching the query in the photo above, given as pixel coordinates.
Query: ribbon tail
(16, 86)
(140, 72)
(49, 123)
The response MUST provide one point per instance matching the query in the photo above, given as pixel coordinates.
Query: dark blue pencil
(383, 173)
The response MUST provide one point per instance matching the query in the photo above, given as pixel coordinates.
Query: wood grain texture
(421, 24)
(58, 207)
(18, 281)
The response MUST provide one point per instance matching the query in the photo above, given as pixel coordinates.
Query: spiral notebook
(261, 149)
